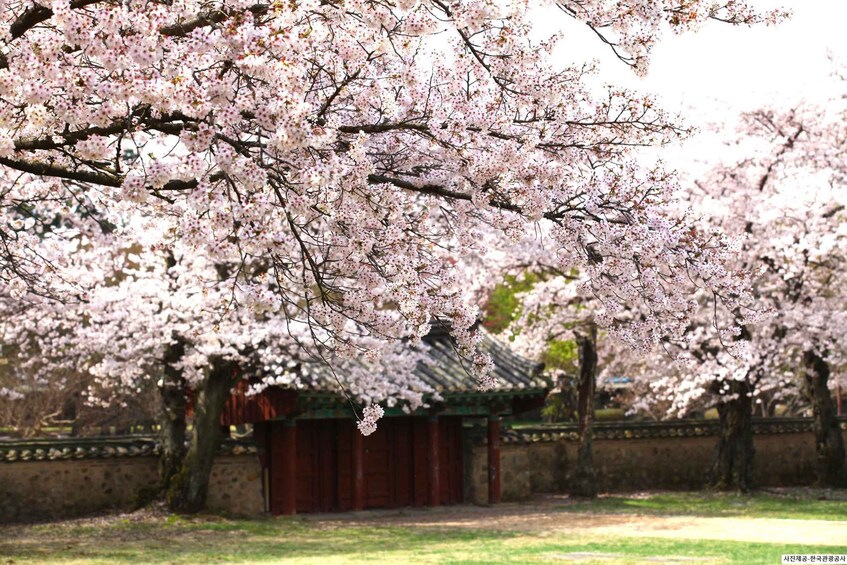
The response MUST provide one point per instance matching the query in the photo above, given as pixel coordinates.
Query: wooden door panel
(403, 468)
(378, 467)
(344, 464)
(419, 462)
(450, 460)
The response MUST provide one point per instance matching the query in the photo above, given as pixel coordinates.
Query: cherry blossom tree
(554, 320)
(789, 196)
(781, 192)
(330, 141)
(327, 165)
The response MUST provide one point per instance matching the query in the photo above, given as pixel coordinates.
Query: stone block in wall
(236, 485)
(478, 472)
(515, 474)
(547, 468)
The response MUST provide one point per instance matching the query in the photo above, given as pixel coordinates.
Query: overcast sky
(737, 65)
(721, 70)
(745, 67)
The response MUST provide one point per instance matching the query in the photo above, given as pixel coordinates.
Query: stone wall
(236, 485)
(35, 490)
(50, 489)
(49, 479)
(544, 462)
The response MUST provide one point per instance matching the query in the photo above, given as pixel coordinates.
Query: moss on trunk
(189, 486)
(584, 481)
(733, 466)
(829, 443)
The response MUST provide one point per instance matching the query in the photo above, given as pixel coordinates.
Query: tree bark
(733, 466)
(585, 483)
(829, 443)
(172, 415)
(188, 488)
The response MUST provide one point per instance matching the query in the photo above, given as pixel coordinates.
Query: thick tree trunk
(585, 483)
(733, 466)
(172, 415)
(188, 488)
(829, 443)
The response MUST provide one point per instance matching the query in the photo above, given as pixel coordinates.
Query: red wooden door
(344, 431)
(420, 462)
(316, 464)
(315, 468)
(388, 464)
(451, 469)
(395, 464)
(378, 467)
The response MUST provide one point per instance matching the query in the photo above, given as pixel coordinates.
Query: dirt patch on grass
(541, 517)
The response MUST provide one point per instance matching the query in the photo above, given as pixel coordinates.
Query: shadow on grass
(210, 539)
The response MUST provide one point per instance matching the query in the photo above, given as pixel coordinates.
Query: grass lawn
(756, 505)
(154, 538)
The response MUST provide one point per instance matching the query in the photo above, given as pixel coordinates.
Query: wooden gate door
(388, 464)
(450, 464)
(315, 466)
(394, 462)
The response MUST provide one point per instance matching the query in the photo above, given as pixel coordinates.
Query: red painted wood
(283, 468)
(493, 460)
(432, 453)
(316, 466)
(403, 467)
(420, 479)
(378, 467)
(271, 404)
(275, 466)
(344, 464)
(307, 488)
(358, 471)
(325, 466)
(451, 468)
(289, 497)
(407, 461)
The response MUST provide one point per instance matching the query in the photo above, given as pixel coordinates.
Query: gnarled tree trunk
(188, 488)
(829, 443)
(172, 415)
(585, 483)
(733, 466)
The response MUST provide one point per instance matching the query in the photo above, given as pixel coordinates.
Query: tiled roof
(55, 449)
(627, 430)
(448, 373)
(445, 370)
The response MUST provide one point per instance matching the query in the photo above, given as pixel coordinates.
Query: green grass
(149, 538)
(298, 541)
(757, 505)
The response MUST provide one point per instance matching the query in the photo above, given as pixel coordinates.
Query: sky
(712, 74)
(738, 66)
(746, 67)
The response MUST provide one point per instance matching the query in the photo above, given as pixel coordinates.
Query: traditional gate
(404, 463)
